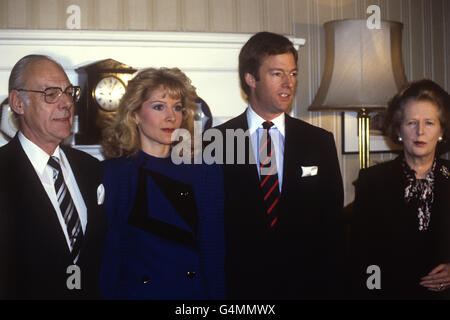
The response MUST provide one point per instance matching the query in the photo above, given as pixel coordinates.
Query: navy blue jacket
(152, 250)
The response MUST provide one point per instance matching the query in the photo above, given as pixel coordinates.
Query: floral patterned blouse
(420, 192)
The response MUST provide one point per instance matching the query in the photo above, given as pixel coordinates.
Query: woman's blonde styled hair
(121, 136)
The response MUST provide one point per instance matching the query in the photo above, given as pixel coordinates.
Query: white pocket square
(309, 171)
(100, 194)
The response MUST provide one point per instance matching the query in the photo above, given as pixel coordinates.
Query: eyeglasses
(53, 94)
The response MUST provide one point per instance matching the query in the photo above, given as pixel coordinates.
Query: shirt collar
(38, 157)
(255, 121)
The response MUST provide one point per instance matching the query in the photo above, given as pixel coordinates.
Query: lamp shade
(363, 67)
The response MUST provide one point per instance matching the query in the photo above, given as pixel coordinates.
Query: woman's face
(157, 119)
(420, 129)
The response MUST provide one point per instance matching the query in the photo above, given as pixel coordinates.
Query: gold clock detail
(108, 93)
(105, 83)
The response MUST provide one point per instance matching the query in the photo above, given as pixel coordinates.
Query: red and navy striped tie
(269, 174)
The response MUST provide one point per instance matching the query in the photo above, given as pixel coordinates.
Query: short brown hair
(421, 90)
(121, 137)
(259, 46)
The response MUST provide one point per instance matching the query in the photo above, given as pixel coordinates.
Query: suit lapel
(170, 215)
(294, 156)
(36, 209)
(442, 190)
(165, 223)
(82, 178)
(440, 216)
(249, 170)
(179, 197)
(291, 158)
(286, 159)
(87, 189)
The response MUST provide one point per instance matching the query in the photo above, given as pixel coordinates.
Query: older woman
(401, 228)
(165, 221)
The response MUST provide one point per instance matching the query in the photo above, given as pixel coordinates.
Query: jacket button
(145, 279)
(191, 274)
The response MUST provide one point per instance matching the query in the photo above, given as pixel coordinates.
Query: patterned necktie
(269, 174)
(68, 209)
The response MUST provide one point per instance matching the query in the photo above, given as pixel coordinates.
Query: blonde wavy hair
(121, 136)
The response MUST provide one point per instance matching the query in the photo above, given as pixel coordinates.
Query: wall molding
(210, 60)
(129, 38)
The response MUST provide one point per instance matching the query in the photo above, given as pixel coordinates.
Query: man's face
(274, 92)
(43, 123)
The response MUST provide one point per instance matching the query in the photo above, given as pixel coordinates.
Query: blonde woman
(165, 221)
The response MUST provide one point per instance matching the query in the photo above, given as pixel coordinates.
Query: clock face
(108, 93)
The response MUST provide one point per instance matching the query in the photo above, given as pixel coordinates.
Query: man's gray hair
(16, 78)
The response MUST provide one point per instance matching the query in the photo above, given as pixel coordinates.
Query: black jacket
(385, 233)
(301, 257)
(33, 250)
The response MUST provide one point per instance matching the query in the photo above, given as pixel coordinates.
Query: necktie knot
(54, 163)
(267, 124)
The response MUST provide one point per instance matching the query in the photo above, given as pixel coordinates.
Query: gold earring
(440, 139)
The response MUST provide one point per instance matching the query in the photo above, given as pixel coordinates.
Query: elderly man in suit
(51, 214)
(284, 237)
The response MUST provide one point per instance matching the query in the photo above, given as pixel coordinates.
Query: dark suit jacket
(302, 256)
(385, 233)
(33, 248)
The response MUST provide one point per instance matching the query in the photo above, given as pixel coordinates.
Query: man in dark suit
(51, 213)
(284, 237)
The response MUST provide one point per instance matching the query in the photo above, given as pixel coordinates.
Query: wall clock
(105, 84)
(108, 92)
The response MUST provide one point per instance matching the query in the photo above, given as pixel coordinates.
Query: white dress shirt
(277, 133)
(39, 159)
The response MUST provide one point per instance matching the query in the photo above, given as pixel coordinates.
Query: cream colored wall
(426, 35)
(161, 15)
(426, 53)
